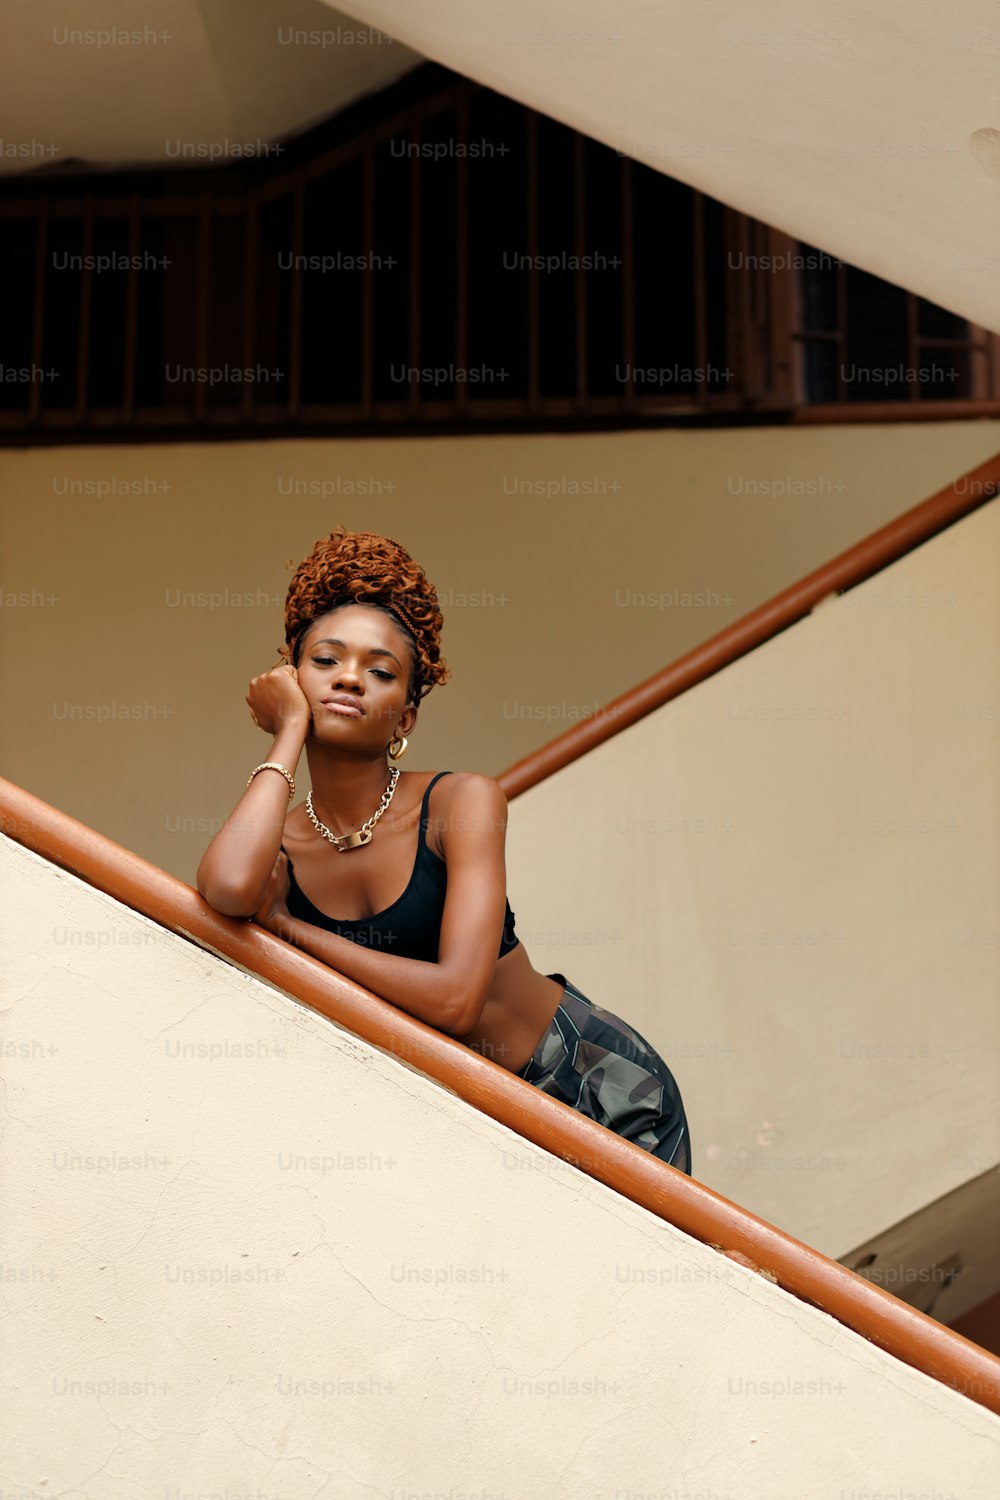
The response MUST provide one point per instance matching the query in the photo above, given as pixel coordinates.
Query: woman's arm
(236, 867)
(449, 994)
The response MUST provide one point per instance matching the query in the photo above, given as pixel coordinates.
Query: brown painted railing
(859, 562)
(909, 1335)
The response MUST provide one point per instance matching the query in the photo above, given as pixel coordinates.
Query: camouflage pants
(591, 1059)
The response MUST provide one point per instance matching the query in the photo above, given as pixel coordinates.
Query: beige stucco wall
(788, 879)
(433, 1306)
(143, 586)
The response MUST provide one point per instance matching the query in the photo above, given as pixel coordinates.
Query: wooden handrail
(866, 557)
(911, 1336)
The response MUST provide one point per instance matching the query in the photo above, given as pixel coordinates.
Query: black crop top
(411, 926)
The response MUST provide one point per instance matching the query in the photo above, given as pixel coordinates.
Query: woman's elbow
(465, 1009)
(228, 901)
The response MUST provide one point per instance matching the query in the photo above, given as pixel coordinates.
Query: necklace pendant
(353, 841)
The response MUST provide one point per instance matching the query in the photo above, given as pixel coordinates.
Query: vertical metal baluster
(628, 283)
(784, 322)
(534, 320)
(739, 310)
(759, 300)
(250, 234)
(295, 333)
(413, 403)
(83, 326)
(841, 331)
(700, 289)
(977, 362)
(204, 270)
(912, 344)
(580, 286)
(368, 282)
(38, 310)
(461, 396)
(131, 307)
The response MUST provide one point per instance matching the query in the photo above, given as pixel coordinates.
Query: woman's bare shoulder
(474, 780)
(472, 803)
(471, 789)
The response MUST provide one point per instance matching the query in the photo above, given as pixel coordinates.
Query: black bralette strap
(424, 803)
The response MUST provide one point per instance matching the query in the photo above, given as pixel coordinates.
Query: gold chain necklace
(344, 841)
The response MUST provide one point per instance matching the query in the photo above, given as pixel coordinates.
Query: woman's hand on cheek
(275, 699)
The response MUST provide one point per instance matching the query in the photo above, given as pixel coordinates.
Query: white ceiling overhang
(869, 130)
(121, 83)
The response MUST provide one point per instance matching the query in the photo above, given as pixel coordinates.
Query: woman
(362, 632)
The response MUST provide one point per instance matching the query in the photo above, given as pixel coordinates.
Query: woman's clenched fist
(276, 699)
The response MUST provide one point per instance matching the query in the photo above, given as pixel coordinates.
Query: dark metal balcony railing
(444, 257)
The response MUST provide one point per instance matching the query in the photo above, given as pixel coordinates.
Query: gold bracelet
(274, 765)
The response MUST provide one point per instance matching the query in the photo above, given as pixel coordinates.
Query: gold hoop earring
(402, 742)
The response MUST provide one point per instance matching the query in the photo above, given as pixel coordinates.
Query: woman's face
(357, 653)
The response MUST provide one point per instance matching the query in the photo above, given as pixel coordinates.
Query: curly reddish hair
(360, 567)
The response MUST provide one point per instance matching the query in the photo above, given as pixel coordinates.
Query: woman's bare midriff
(520, 1002)
(519, 1005)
